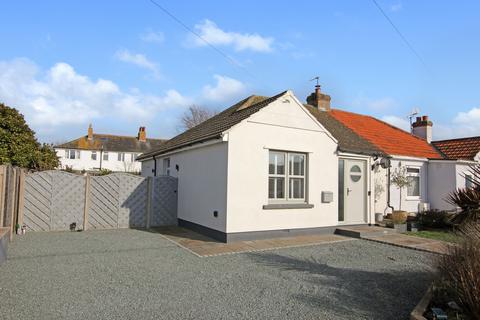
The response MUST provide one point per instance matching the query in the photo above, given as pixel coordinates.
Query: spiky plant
(468, 199)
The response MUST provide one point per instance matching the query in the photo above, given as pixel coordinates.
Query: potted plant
(399, 220)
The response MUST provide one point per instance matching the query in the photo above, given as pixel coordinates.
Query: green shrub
(434, 219)
(468, 199)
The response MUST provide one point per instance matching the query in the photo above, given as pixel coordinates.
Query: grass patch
(441, 235)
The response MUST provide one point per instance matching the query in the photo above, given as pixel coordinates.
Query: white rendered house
(274, 166)
(95, 151)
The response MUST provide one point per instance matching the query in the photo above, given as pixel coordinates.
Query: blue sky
(125, 64)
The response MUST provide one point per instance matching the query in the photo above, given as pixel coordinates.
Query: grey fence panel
(37, 201)
(55, 199)
(68, 199)
(103, 209)
(164, 201)
(132, 201)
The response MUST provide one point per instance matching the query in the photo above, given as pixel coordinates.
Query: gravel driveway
(131, 274)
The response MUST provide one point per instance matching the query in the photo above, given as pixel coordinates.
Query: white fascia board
(468, 162)
(353, 155)
(311, 116)
(407, 158)
(195, 146)
(287, 94)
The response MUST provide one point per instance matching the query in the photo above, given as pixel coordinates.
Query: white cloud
(224, 90)
(139, 60)
(396, 7)
(153, 36)
(60, 96)
(398, 122)
(464, 124)
(209, 31)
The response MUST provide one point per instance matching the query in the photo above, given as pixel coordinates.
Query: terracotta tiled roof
(109, 142)
(213, 127)
(389, 139)
(348, 140)
(462, 148)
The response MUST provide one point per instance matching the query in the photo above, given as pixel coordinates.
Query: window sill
(413, 198)
(275, 206)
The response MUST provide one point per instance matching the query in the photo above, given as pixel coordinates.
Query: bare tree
(194, 116)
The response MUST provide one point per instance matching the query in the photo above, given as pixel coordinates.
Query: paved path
(412, 242)
(203, 246)
(389, 236)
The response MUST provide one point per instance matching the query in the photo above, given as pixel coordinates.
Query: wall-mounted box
(327, 196)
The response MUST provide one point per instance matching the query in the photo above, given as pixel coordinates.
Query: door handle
(348, 191)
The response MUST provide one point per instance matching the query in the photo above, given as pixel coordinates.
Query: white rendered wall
(202, 183)
(147, 168)
(281, 126)
(86, 163)
(442, 180)
(409, 204)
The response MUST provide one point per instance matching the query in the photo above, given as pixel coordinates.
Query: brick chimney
(422, 128)
(142, 134)
(90, 132)
(319, 100)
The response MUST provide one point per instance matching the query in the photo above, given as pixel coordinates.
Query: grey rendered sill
(274, 206)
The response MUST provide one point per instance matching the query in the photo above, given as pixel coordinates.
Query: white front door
(352, 191)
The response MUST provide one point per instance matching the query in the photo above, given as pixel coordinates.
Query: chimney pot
(422, 128)
(142, 135)
(319, 100)
(90, 132)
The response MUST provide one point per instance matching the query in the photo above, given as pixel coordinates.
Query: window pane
(276, 163)
(271, 188)
(105, 156)
(413, 190)
(297, 164)
(296, 190)
(280, 188)
(468, 181)
(413, 170)
(271, 163)
(94, 155)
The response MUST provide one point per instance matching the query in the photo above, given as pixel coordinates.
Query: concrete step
(363, 231)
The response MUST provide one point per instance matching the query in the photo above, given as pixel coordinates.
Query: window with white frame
(166, 166)
(121, 156)
(286, 176)
(134, 157)
(105, 156)
(413, 175)
(72, 154)
(94, 155)
(468, 181)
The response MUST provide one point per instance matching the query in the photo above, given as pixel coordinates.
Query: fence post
(87, 202)
(21, 196)
(149, 202)
(3, 177)
(13, 180)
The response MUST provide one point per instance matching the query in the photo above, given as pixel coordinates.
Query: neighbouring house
(269, 166)
(95, 151)
(452, 172)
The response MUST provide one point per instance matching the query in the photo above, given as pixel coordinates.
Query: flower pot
(400, 227)
(378, 217)
(413, 226)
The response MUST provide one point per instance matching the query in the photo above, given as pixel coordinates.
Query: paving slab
(411, 242)
(207, 247)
